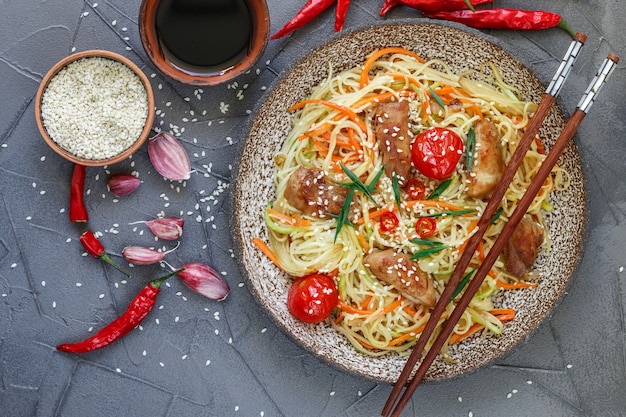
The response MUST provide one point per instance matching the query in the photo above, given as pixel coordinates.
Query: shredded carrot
(412, 203)
(392, 306)
(401, 339)
(540, 148)
(353, 310)
(291, 220)
(405, 78)
(355, 143)
(473, 107)
(341, 109)
(266, 250)
(457, 337)
(377, 54)
(481, 256)
(503, 314)
(515, 285)
(382, 97)
(366, 302)
(408, 310)
(425, 109)
(434, 204)
(470, 229)
(444, 90)
(363, 242)
(377, 213)
(408, 335)
(339, 319)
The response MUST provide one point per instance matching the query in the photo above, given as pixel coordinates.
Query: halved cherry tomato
(426, 226)
(416, 189)
(436, 151)
(388, 221)
(312, 298)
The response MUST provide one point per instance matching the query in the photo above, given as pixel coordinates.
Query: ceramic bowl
(150, 40)
(254, 187)
(65, 153)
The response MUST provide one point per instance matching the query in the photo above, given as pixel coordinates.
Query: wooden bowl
(147, 126)
(259, 14)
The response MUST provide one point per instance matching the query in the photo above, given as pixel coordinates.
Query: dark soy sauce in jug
(204, 36)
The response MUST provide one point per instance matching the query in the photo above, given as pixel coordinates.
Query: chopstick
(492, 206)
(546, 167)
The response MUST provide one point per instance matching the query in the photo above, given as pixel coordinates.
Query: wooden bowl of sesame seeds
(95, 108)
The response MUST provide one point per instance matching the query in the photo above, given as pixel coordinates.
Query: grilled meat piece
(394, 140)
(397, 269)
(521, 250)
(311, 192)
(488, 165)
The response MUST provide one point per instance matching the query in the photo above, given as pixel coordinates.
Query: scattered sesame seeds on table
(196, 357)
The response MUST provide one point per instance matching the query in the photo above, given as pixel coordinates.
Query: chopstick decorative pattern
(566, 65)
(493, 254)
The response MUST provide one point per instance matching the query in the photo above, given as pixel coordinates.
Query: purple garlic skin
(138, 255)
(169, 157)
(167, 228)
(122, 184)
(204, 280)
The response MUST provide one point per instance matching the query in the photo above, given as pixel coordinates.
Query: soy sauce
(204, 36)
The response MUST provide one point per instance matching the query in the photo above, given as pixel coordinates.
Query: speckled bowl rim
(252, 188)
(95, 53)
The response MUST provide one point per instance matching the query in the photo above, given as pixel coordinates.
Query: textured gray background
(197, 357)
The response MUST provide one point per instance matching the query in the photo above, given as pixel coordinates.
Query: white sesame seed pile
(95, 108)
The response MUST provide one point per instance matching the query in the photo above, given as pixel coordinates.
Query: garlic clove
(138, 255)
(167, 228)
(204, 280)
(169, 157)
(122, 184)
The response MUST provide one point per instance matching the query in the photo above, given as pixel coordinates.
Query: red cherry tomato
(416, 189)
(312, 298)
(436, 151)
(426, 226)
(388, 221)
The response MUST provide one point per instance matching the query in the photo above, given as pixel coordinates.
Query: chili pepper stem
(566, 27)
(104, 257)
(156, 283)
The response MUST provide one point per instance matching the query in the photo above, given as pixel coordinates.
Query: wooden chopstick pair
(492, 206)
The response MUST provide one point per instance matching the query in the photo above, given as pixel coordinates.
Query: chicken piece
(310, 191)
(397, 269)
(394, 142)
(488, 165)
(522, 248)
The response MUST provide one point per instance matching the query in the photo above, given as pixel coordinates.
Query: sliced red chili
(388, 221)
(426, 226)
(416, 189)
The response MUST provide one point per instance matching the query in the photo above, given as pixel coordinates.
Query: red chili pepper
(431, 5)
(388, 221)
(416, 189)
(505, 19)
(426, 226)
(309, 11)
(132, 317)
(340, 16)
(78, 211)
(93, 247)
